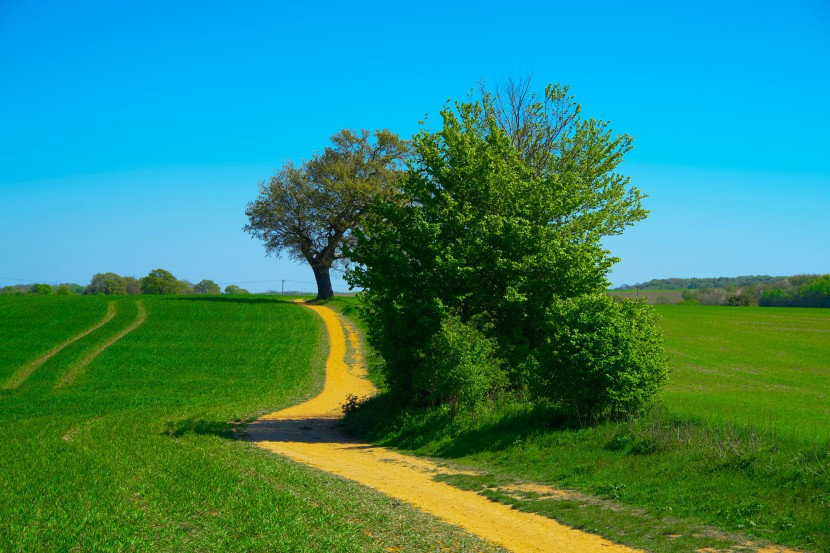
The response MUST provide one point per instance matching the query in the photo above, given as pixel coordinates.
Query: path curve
(308, 433)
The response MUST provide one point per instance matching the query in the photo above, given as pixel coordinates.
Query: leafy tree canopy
(486, 232)
(207, 287)
(159, 281)
(308, 212)
(234, 289)
(107, 284)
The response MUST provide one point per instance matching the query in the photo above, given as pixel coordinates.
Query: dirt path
(24, 372)
(307, 433)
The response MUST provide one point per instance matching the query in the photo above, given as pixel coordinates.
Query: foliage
(109, 284)
(133, 285)
(207, 287)
(601, 356)
(460, 366)
(234, 289)
(184, 287)
(695, 283)
(481, 231)
(64, 290)
(42, 289)
(798, 292)
(310, 211)
(159, 281)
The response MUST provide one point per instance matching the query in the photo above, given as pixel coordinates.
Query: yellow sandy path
(307, 433)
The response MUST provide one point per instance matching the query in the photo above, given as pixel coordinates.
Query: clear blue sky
(132, 134)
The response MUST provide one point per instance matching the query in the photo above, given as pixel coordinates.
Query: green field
(762, 367)
(136, 452)
(739, 442)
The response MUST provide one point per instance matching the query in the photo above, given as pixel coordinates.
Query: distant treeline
(766, 291)
(157, 281)
(696, 283)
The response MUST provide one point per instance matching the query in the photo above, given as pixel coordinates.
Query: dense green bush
(460, 366)
(600, 356)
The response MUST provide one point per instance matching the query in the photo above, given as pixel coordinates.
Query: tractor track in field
(78, 367)
(26, 371)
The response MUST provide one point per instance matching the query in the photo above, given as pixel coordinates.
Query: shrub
(601, 357)
(459, 366)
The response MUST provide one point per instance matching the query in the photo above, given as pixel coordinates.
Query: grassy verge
(135, 455)
(734, 453)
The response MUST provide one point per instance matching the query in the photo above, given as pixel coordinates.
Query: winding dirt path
(25, 371)
(308, 433)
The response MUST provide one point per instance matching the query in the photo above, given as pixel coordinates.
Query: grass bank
(735, 452)
(136, 453)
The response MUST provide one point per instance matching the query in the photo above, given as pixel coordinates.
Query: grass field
(739, 442)
(134, 454)
(762, 367)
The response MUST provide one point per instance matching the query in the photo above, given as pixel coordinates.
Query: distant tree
(133, 285)
(234, 289)
(42, 289)
(64, 290)
(309, 212)
(207, 287)
(159, 281)
(184, 287)
(16, 290)
(109, 284)
(815, 293)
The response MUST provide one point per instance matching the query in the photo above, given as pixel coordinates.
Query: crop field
(116, 417)
(762, 367)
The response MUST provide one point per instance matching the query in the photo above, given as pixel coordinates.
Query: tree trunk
(321, 275)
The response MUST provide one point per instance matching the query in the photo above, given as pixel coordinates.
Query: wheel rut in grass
(26, 371)
(78, 367)
(308, 433)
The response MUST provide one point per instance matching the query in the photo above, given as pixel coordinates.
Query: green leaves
(310, 211)
(498, 219)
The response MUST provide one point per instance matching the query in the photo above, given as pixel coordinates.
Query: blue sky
(132, 135)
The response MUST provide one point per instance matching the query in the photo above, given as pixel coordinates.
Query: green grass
(137, 454)
(739, 443)
(767, 367)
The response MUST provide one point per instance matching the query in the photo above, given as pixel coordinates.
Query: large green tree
(309, 212)
(494, 235)
(159, 281)
(107, 284)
